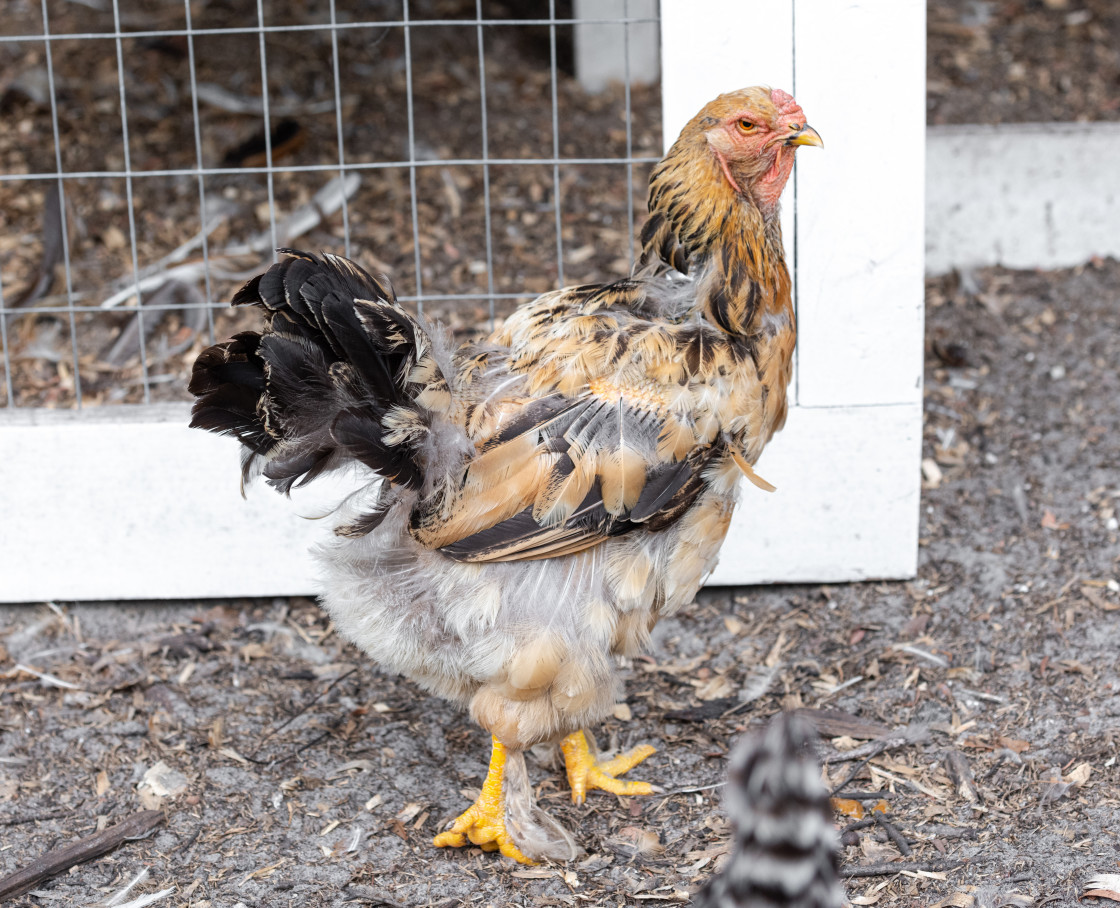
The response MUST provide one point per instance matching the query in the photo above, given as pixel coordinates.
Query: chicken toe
(483, 823)
(586, 772)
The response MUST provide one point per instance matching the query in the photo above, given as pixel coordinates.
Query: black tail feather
(285, 473)
(363, 442)
(315, 389)
(228, 380)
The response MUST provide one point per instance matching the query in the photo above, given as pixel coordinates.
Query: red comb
(782, 100)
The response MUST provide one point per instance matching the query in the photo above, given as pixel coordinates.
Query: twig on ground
(180, 295)
(48, 680)
(298, 750)
(64, 857)
(858, 824)
(304, 708)
(696, 789)
(873, 748)
(961, 773)
(186, 843)
(35, 817)
(892, 832)
(889, 869)
(922, 654)
(52, 251)
(850, 776)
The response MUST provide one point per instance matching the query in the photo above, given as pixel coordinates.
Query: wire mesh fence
(155, 154)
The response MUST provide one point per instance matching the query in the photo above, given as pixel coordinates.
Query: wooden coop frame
(128, 503)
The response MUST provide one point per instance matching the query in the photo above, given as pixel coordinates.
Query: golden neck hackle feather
(700, 225)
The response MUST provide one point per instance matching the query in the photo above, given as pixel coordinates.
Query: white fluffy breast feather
(453, 627)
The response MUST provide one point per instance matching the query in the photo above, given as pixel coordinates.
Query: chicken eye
(746, 126)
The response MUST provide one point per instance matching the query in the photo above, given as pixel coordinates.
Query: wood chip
(1079, 775)
(835, 723)
(956, 900)
(931, 473)
(775, 653)
(410, 810)
(538, 873)
(717, 687)
(734, 625)
(635, 840)
(264, 872)
(233, 755)
(961, 773)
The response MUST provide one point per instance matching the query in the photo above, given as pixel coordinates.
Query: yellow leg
(484, 821)
(586, 772)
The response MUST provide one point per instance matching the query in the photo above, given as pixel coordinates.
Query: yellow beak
(806, 136)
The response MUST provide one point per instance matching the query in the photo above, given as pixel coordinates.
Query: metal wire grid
(269, 170)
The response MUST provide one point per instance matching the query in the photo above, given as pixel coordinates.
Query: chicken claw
(483, 823)
(586, 772)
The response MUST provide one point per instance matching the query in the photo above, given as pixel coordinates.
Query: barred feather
(784, 852)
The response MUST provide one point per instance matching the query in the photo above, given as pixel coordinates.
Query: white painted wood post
(127, 502)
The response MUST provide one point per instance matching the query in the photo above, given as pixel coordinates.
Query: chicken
(784, 851)
(535, 502)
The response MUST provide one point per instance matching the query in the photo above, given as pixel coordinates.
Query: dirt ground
(303, 776)
(1022, 61)
(309, 778)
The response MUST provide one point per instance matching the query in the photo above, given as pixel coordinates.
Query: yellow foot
(484, 821)
(586, 772)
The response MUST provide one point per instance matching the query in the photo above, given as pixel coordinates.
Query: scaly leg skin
(484, 821)
(586, 772)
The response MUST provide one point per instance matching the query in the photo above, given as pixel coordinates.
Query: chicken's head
(753, 134)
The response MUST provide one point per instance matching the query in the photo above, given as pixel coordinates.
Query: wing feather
(568, 479)
(614, 418)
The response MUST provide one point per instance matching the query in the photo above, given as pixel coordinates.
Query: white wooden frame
(1021, 195)
(128, 503)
